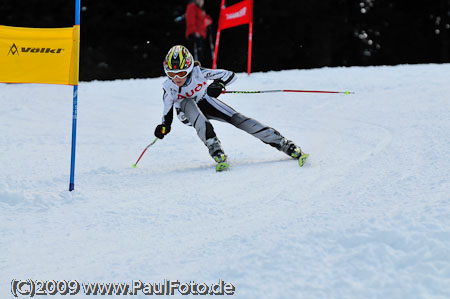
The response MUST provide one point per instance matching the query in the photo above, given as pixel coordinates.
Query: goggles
(179, 74)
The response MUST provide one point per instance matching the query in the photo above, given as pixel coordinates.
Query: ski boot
(216, 152)
(221, 160)
(294, 151)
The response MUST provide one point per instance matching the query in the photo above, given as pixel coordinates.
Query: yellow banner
(39, 55)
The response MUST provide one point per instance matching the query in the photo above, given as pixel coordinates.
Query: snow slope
(367, 217)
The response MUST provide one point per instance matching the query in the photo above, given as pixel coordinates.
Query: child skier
(196, 103)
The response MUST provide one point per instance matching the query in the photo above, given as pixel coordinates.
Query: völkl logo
(38, 50)
(13, 50)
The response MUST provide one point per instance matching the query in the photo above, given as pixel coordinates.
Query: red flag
(235, 15)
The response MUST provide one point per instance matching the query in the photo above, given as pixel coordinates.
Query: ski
(302, 159)
(222, 166)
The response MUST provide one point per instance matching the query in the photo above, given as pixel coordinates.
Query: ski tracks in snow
(366, 217)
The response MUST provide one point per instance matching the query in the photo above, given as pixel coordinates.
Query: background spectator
(197, 22)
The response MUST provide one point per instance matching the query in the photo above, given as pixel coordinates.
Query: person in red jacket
(197, 22)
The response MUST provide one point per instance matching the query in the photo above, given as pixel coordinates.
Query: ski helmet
(179, 62)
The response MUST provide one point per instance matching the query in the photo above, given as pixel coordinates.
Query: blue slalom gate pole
(77, 12)
(74, 138)
(74, 114)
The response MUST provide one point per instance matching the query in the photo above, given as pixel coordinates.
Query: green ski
(302, 159)
(222, 166)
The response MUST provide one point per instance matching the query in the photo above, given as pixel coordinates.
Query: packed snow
(368, 216)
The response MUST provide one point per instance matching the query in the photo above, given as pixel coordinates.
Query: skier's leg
(213, 108)
(205, 130)
(266, 134)
(216, 109)
(262, 132)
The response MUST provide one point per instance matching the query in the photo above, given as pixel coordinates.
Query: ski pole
(285, 90)
(135, 164)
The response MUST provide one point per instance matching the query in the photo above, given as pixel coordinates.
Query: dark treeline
(129, 39)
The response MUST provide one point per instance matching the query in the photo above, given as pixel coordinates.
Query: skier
(196, 103)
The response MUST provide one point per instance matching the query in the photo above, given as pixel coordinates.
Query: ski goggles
(179, 74)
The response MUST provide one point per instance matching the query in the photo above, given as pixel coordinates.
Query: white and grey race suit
(195, 107)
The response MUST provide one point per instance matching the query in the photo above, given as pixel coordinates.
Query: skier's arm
(225, 76)
(164, 128)
(221, 79)
(168, 110)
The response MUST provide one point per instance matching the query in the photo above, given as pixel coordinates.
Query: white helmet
(178, 62)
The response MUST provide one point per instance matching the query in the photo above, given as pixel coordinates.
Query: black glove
(162, 130)
(215, 89)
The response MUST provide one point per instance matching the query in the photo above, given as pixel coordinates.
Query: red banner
(235, 15)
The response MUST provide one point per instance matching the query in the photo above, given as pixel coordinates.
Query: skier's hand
(162, 130)
(215, 89)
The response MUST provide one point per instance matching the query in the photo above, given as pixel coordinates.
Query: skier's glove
(215, 89)
(162, 130)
